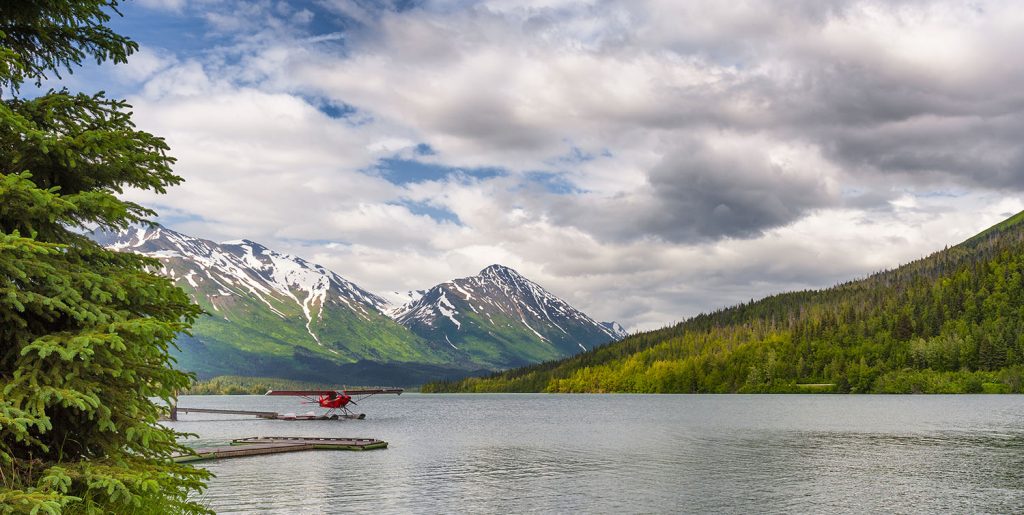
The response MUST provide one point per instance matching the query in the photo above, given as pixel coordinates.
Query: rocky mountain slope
(500, 317)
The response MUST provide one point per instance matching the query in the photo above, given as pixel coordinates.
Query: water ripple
(637, 454)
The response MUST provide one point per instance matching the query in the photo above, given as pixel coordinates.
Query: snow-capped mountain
(272, 314)
(267, 306)
(500, 317)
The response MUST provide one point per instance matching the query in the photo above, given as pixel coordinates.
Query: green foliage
(47, 36)
(949, 323)
(85, 333)
(244, 385)
(960, 381)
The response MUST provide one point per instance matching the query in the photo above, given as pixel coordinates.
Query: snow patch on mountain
(241, 267)
(398, 300)
(448, 310)
(617, 330)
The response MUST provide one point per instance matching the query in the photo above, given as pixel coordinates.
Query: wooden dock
(257, 446)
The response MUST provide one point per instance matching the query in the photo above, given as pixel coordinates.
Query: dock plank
(345, 444)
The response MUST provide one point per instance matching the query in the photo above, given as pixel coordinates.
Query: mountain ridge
(272, 308)
(467, 311)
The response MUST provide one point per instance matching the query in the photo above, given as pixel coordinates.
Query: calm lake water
(517, 453)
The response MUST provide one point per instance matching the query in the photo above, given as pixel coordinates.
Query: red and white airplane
(337, 402)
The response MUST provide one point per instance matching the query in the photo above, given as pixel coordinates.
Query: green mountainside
(952, 322)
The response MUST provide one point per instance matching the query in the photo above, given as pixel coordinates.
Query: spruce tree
(85, 332)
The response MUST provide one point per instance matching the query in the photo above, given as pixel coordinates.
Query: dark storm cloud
(896, 96)
(967, 151)
(880, 121)
(699, 193)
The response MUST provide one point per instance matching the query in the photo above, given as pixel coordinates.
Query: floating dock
(257, 446)
(264, 414)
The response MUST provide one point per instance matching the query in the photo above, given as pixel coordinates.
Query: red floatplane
(337, 402)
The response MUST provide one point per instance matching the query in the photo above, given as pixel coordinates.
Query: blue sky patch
(336, 110)
(440, 214)
(405, 171)
(574, 156)
(556, 183)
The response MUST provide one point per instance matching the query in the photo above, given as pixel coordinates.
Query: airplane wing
(353, 392)
(373, 391)
(300, 393)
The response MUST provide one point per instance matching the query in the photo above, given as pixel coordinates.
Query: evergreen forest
(952, 322)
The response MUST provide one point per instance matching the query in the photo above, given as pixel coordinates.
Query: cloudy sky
(643, 159)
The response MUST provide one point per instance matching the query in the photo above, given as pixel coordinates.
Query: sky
(645, 160)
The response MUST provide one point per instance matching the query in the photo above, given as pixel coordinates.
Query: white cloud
(696, 153)
(165, 5)
(145, 63)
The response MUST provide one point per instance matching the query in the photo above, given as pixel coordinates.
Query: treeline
(240, 385)
(948, 323)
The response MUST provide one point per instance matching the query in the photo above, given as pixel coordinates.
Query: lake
(516, 453)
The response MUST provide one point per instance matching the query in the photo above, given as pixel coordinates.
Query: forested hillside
(948, 323)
